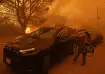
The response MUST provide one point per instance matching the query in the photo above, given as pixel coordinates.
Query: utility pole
(97, 17)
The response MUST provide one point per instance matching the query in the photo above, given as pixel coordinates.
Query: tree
(26, 9)
(2, 1)
(8, 28)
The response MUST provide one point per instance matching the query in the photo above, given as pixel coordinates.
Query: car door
(62, 36)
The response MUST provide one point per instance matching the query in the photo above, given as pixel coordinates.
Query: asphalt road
(95, 64)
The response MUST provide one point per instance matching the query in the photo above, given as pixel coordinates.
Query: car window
(40, 31)
(48, 34)
(63, 34)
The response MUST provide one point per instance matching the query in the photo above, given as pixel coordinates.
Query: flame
(28, 30)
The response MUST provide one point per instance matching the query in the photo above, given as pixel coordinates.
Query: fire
(28, 30)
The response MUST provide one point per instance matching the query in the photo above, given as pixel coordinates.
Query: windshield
(41, 31)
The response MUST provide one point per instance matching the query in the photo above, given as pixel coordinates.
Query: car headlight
(27, 50)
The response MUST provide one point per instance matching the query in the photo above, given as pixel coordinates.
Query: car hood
(26, 42)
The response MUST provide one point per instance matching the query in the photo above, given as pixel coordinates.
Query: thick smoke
(75, 13)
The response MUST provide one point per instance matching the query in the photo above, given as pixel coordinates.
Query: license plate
(8, 61)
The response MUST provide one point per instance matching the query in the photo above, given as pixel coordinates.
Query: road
(95, 64)
(4, 69)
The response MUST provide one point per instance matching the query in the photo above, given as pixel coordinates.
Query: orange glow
(28, 30)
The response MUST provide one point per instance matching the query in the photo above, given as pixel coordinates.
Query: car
(39, 49)
(30, 50)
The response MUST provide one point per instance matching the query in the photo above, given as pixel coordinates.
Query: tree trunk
(23, 27)
(23, 30)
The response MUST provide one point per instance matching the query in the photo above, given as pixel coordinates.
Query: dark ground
(95, 64)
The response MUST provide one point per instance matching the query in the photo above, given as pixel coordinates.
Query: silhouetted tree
(26, 9)
(2, 1)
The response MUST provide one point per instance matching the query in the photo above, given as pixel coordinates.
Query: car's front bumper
(13, 59)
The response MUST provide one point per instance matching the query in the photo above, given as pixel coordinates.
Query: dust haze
(78, 13)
